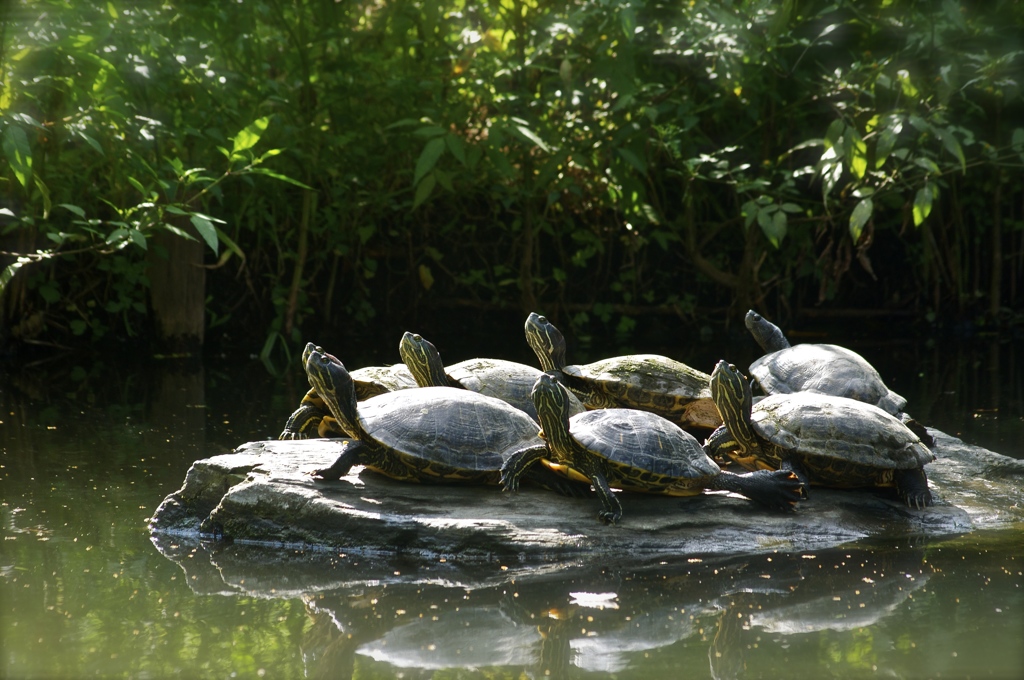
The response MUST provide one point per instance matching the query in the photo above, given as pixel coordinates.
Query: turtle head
(734, 399)
(328, 376)
(769, 336)
(423, 360)
(547, 342)
(310, 347)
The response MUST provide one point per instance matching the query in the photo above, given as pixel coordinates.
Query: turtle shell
(373, 380)
(459, 429)
(824, 369)
(645, 452)
(835, 433)
(509, 381)
(654, 383)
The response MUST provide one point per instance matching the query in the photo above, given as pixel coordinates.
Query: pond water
(90, 449)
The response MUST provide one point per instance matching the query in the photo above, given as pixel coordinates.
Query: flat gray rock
(263, 495)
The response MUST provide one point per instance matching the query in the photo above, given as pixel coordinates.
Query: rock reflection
(379, 619)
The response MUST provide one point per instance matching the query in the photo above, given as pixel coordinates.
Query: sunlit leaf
(426, 277)
(530, 135)
(923, 203)
(859, 217)
(773, 224)
(249, 136)
(279, 176)
(206, 230)
(18, 153)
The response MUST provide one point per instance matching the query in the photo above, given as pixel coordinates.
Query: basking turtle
(431, 434)
(634, 451)
(506, 380)
(827, 440)
(649, 382)
(818, 368)
(822, 369)
(313, 419)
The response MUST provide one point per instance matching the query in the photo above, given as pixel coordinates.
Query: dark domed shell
(457, 427)
(840, 429)
(824, 369)
(506, 380)
(643, 441)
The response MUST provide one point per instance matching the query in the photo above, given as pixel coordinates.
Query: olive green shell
(509, 381)
(824, 369)
(843, 441)
(448, 426)
(650, 382)
(373, 380)
(643, 451)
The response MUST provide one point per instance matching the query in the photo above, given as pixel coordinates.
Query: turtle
(633, 450)
(312, 415)
(819, 368)
(430, 434)
(822, 369)
(826, 440)
(648, 382)
(509, 381)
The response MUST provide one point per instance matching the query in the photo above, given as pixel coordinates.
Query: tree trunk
(177, 291)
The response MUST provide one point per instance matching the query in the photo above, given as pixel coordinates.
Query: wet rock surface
(263, 495)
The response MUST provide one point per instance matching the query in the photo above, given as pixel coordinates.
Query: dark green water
(88, 453)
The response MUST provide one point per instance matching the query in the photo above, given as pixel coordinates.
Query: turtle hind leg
(776, 489)
(801, 474)
(912, 486)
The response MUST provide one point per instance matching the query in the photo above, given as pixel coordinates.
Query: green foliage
(615, 157)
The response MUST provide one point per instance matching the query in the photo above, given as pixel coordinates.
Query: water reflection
(742, 612)
(89, 451)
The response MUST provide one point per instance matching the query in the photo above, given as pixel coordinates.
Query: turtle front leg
(801, 474)
(912, 486)
(611, 509)
(516, 465)
(352, 455)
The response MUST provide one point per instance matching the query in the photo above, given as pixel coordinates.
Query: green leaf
(138, 238)
(923, 203)
(633, 160)
(859, 217)
(530, 135)
(10, 270)
(884, 146)
(456, 146)
(423, 190)
(231, 246)
(428, 158)
(749, 211)
(18, 153)
(138, 187)
(627, 19)
(952, 145)
(928, 164)
(250, 135)
(792, 208)
(73, 208)
(279, 176)
(206, 230)
(773, 224)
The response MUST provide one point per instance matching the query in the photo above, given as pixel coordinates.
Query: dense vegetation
(269, 168)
